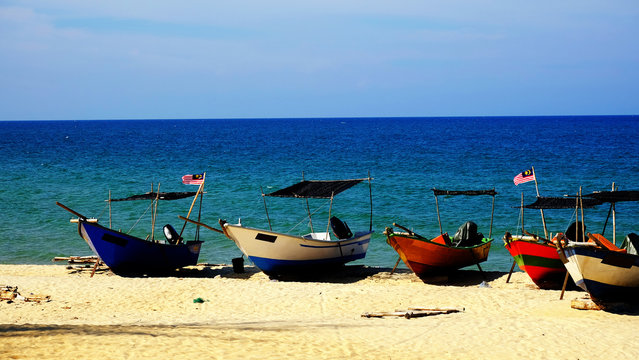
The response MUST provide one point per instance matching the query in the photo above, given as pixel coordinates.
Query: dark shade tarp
(163, 196)
(615, 196)
(491, 192)
(543, 202)
(318, 189)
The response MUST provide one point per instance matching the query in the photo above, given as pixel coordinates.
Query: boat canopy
(317, 189)
(491, 192)
(544, 202)
(162, 196)
(614, 196)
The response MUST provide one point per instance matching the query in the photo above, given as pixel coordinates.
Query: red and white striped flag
(195, 179)
(526, 176)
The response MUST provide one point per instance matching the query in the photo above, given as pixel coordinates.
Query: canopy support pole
(370, 193)
(266, 209)
(614, 220)
(330, 209)
(492, 212)
(154, 214)
(110, 221)
(308, 209)
(441, 232)
(543, 219)
(583, 225)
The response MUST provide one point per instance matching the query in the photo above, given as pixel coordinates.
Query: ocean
(79, 162)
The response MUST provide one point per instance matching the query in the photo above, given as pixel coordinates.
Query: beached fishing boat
(536, 255)
(277, 253)
(441, 255)
(608, 273)
(129, 255)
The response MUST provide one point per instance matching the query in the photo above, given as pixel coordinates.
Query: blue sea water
(78, 162)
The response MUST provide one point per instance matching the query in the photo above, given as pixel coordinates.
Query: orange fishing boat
(441, 255)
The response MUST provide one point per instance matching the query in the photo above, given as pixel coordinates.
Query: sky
(157, 59)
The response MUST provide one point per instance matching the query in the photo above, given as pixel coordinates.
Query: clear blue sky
(81, 59)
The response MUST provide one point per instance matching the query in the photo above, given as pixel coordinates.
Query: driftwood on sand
(413, 312)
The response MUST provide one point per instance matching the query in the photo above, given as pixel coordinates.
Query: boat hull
(608, 276)
(129, 255)
(540, 261)
(276, 253)
(433, 257)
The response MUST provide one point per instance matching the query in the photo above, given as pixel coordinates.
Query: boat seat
(573, 232)
(171, 235)
(604, 243)
(340, 229)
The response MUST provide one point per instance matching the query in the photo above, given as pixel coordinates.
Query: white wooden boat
(609, 274)
(277, 253)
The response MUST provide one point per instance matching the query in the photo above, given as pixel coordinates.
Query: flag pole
(200, 190)
(543, 219)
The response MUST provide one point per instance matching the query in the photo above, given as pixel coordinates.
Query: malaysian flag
(526, 176)
(195, 179)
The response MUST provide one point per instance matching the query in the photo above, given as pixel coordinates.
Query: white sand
(249, 316)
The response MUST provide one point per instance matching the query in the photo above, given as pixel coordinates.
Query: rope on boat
(141, 216)
(306, 217)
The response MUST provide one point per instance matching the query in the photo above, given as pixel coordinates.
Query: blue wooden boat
(127, 255)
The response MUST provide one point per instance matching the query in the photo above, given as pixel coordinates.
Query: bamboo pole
(71, 211)
(511, 271)
(330, 210)
(543, 219)
(370, 193)
(614, 220)
(199, 191)
(200, 224)
(492, 213)
(266, 209)
(441, 232)
(110, 221)
(583, 225)
(522, 213)
(308, 209)
(154, 213)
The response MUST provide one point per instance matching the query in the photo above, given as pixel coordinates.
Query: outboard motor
(340, 229)
(171, 235)
(467, 235)
(573, 232)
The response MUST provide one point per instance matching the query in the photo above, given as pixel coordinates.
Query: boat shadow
(464, 278)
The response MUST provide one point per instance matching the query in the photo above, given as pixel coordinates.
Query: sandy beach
(249, 316)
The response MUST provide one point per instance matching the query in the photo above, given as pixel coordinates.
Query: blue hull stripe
(274, 266)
